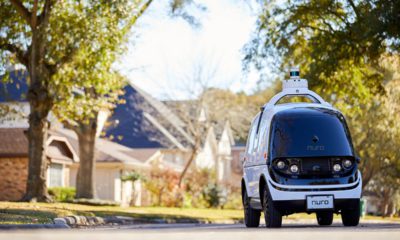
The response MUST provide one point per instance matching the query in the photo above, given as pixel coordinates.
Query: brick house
(112, 162)
(14, 162)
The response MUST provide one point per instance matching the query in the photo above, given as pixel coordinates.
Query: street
(290, 230)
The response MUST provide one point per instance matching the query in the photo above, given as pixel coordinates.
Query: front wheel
(350, 217)
(324, 218)
(273, 218)
(251, 216)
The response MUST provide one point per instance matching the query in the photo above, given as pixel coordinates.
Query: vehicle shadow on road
(370, 226)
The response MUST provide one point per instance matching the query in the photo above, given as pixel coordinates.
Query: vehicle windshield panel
(310, 135)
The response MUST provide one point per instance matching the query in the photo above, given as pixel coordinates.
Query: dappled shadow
(15, 215)
(157, 218)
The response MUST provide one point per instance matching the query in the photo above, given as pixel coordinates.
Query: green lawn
(20, 213)
(11, 212)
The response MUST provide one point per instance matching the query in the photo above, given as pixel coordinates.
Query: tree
(193, 112)
(236, 108)
(349, 51)
(325, 38)
(45, 36)
(95, 87)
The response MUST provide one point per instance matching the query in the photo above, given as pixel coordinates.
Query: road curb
(33, 226)
(85, 221)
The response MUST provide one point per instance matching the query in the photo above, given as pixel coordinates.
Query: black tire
(273, 218)
(324, 218)
(251, 216)
(350, 217)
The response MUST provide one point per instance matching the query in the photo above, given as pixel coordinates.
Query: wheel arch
(243, 186)
(262, 184)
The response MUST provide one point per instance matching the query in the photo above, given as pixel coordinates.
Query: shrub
(214, 195)
(234, 200)
(132, 176)
(62, 194)
(163, 186)
(195, 184)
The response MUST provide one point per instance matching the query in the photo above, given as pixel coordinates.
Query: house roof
(59, 147)
(144, 122)
(141, 154)
(108, 151)
(13, 143)
(15, 88)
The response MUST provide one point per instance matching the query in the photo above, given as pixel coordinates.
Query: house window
(55, 175)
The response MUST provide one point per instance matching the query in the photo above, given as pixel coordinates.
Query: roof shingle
(13, 142)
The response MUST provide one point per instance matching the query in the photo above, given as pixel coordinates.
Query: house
(139, 133)
(145, 122)
(112, 162)
(14, 162)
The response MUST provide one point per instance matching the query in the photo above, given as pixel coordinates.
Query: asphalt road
(293, 230)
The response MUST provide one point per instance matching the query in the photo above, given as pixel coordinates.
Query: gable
(59, 150)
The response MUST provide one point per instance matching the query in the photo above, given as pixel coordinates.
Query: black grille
(315, 166)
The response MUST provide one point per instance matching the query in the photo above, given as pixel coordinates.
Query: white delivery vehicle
(300, 158)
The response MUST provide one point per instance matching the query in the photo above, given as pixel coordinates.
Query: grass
(27, 213)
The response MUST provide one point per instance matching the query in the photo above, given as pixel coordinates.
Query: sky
(172, 59)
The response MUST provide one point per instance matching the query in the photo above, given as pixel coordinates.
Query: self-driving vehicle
(300, 158)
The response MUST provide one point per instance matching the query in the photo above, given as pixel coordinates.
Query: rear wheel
(251, 216)
(273, 218)
(324, 218)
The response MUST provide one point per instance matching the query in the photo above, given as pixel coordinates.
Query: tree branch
(44, 16)
(25, 14)
(353, 6)
(137, 15)
(34, 13)
(21, 55)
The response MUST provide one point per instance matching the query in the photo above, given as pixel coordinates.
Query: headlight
(337, 167)
(294, 168)
(281, 165)
(347, 163)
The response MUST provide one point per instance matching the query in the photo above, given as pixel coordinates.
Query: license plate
(319, 202)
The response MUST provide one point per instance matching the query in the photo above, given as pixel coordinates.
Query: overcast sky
(170, 58)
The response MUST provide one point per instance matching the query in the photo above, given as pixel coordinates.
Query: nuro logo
(319, 202)
(315, 148)
(315, 140)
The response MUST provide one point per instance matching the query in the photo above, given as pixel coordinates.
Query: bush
(163, 186)
(196, 183)
(214, 195)
(234, 200)
(132, 176)
(62, 194)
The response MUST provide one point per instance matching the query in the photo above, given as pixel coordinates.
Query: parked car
(300, 158)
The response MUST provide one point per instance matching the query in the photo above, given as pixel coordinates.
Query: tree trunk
(188, 164)
(160, 194)
(385, 202)
(85, 182)
(36, 188)
(40, 102)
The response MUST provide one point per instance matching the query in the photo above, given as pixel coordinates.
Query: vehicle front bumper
(280, 192)
(294, 206)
